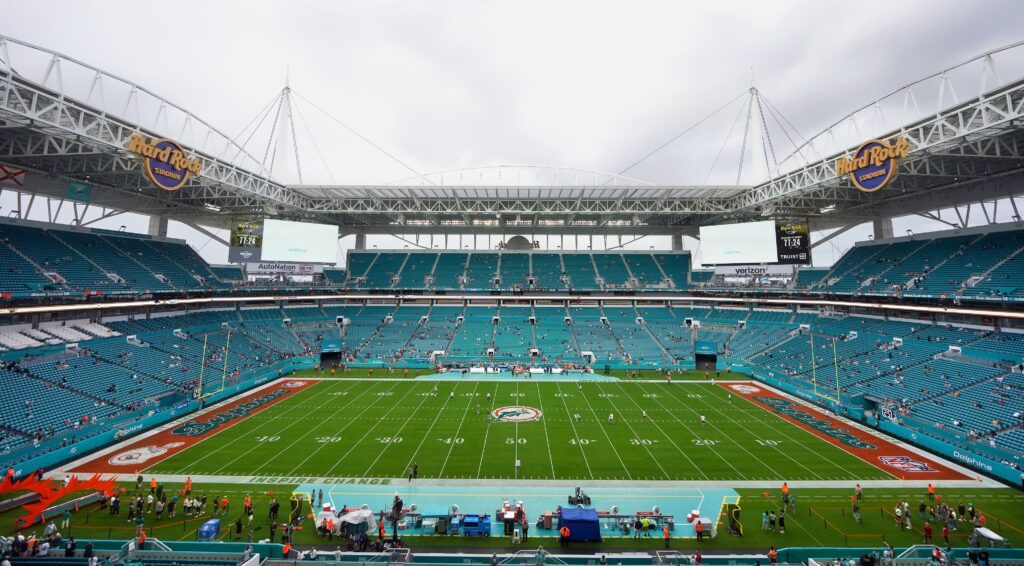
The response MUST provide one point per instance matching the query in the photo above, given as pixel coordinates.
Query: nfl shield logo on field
(905, 464)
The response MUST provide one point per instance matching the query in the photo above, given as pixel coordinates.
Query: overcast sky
(585, 84)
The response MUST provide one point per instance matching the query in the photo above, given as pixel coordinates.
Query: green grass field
(348, 428)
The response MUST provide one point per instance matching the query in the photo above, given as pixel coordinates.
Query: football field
(557, 430)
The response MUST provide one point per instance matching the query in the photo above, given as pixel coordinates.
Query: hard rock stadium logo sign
(167, 165)
(196, 428)
(873, 163)
(515, 414)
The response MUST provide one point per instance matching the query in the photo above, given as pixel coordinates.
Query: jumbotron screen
(299, 242)
(769, 241)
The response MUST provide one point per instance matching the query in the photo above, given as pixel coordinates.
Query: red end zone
(877, 451)
(146, 452)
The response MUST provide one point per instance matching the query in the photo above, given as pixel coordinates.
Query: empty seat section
(481, 270)
(474, 336)
(906, 270)
(155, 261)
(513, 336)
(434, 335)
(580, 269)
(121, 262)
(186, 258)
(514, 269)
(450, 269)
(554, 337)
(547, 271)
(383, 271)
(53, 255)
(636, 342)
(229, 273)
(670, 331)
(593, 335)
(676, 266)
(612, 269)
(418, 267)
(645, 270)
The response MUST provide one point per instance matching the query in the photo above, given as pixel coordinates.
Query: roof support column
(360, 241)
(677, 242)
(157, 226)
(882, 228)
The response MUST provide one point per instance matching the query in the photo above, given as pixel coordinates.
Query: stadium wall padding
(955, 453)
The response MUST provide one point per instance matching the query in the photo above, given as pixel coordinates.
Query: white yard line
(572, 423)
(487, 431)
(416, 411)
(412, 459)
(744, 448)
(638, 437)
(458, 431)
(352, 399)
(295, 441)
(171, 425)
(672, 414)
(782, 431)
(663, 433)
(610, 443)
(371, 428)
(570, 483)
(544, 424)
(255, 445)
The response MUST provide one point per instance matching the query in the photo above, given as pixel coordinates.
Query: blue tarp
(210, 530)
(583, 524)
